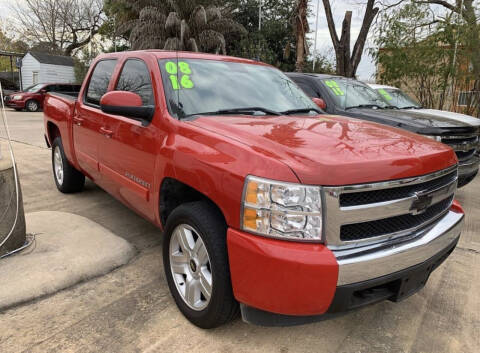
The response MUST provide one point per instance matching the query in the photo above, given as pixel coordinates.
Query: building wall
(46, 72)
(29, 65)
(56, 73)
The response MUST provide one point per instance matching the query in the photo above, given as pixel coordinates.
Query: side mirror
(126, 104)
(43, 91)
(320, 103)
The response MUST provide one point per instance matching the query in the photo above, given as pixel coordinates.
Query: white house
(46, 68)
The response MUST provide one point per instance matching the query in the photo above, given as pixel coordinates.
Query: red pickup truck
(266, 204)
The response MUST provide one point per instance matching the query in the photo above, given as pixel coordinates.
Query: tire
(67, 178)
(32, 105)
(199, 221)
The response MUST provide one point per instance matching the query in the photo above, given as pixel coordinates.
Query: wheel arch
(174, 193)
(52, 132)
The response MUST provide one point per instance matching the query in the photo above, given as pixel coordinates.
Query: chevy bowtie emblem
(421, 203)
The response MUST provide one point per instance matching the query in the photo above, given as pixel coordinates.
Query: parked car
(396, 97)
(349, 97)
(31, 99)
(263, 200)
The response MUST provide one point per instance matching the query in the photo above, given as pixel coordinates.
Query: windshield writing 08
(196, 86)
(352, 94)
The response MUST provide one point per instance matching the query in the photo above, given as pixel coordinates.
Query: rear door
(127, 161)
(88, 120)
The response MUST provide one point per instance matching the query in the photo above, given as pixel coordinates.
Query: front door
(88, 120)
(127, 161)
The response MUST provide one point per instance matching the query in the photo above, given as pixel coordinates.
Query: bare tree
(347, 62)
(62, 26)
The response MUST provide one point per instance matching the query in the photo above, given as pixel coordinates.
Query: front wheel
(67, 178)
(196, 264)
(32, 105)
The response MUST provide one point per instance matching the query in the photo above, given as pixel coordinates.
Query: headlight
(282, 210)
(436, 138)
(16, 98)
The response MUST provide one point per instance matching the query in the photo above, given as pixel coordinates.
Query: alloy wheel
(58, 165)
(190, 266)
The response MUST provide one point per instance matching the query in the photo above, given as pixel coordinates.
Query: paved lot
(130, 309)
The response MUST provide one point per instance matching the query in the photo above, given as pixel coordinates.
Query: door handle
(107, 133)
(77, 120)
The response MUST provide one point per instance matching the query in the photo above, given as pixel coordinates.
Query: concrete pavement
(130, 309)
(67, 249)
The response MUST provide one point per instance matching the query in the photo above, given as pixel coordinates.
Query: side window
(65, 88)
(51, 88)
(136, 78)
(99, 81)
(309, 91)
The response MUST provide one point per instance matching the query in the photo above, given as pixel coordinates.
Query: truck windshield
(349, 94)
(196, 86)
(33, 88)
(398, 98)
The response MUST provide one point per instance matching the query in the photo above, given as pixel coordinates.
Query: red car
(32, 98)
(267, 205)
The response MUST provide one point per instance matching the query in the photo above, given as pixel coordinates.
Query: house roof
(52, 59)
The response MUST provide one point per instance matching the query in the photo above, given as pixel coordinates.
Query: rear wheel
(32, 105)
(196, 264)
(67, 178)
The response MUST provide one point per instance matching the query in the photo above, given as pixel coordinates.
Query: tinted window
(65, 88)
(51, 88)
(98, 84)
(309, 91)
(59, 88)
(136, 78)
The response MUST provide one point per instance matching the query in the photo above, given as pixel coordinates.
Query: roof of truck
(376, 86)
(167, 54)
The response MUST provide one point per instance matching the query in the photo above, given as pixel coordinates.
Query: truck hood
(413, 120)
(333, 150)
(463, 118)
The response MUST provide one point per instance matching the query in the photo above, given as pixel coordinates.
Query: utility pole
(260, 15)
(115, 33)
(259, 27)
(315, 41)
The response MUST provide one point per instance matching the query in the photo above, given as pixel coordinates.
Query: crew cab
(349, 97)
(266, 204)
(31, 99)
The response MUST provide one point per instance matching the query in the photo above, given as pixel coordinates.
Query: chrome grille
(358, 215)
(464, 146)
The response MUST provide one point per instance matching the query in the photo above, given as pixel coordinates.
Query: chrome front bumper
(468, 167)
(367, 263)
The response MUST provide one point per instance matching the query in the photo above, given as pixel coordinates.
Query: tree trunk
(301, 29)
(343, 49)
(347, 64)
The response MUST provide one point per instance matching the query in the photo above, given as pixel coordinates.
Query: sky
(366, 69)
